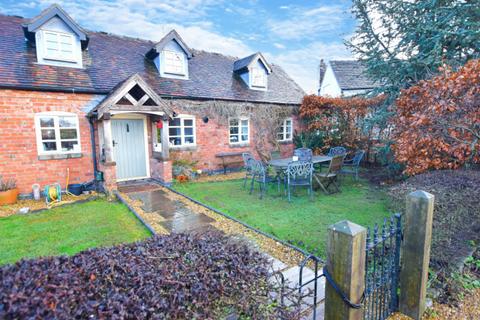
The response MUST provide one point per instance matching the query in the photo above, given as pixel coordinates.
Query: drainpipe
(94, 151)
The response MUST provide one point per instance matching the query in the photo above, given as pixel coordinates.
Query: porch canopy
(133, 95)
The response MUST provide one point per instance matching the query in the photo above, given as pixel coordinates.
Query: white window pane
(233, 130)
(47, 122)
(188, 132)
(244, 137)
(188, 122)
(49, 146)
(244, 130)
(234, 138)
(175, 141)
(68, 134)
(52, 52)
(233, 122)
(174, 122)
(245, 123)
(48, 134)
(288, 136)
(188, 140)
(67, 122)
(174, 131)
(69, 145)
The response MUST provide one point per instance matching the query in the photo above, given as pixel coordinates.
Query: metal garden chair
(247, 164)
(329, 178)
(303, 154)
(352, 166)
(261, 176)
(337, 151)
(299, 173)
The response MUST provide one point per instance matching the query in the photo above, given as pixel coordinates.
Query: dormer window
(174, 62)
(58, 46)
(58, 39)
(254, 71)
(171, 56)
(259, 78)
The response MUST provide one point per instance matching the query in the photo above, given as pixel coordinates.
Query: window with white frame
(259, 78)
(239, 130)
(174, 62)
(58, 46)
(57, 133)
(284, 132)
(181, 131)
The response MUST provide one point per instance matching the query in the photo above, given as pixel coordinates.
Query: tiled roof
(111, 59)
(242, 64)
(351, 75)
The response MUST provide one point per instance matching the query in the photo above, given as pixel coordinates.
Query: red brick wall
(18, 144)
(18, 148)
(213, 138)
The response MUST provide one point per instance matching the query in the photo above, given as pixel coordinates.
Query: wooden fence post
(346, 264)
(415, 252)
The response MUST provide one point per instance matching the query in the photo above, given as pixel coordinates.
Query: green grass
(67, 230)
(301, 222)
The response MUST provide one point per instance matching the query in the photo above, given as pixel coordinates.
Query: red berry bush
(179, 276)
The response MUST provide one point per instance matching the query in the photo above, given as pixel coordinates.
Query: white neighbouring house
(344, 78)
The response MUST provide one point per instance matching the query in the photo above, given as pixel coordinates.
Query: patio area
(303, 221)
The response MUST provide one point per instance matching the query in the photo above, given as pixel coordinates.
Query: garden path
(177, 217)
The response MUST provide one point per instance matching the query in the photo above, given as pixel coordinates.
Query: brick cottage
(94, 102)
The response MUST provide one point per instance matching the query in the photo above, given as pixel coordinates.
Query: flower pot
(8, 197)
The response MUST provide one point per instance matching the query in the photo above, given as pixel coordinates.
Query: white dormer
(171, 56)
(254, 71)
(58, 39)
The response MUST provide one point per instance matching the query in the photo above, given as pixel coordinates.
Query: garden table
(283, 163)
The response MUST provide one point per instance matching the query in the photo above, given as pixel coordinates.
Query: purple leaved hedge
(179, 276)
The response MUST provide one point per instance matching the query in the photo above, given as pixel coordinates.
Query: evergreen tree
(404, 41)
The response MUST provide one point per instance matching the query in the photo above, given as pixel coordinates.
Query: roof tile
(111, 59)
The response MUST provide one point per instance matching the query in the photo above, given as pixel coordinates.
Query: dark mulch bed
(456, 220)
(456, 224)
(179, 276)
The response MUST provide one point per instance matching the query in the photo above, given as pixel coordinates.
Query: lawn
(302, 222)
(68, 230)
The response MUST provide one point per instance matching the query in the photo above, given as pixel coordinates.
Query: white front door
(129, 148)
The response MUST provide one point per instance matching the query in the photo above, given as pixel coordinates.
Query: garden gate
(382, 269)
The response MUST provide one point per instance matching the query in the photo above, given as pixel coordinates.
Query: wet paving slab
(178, 218)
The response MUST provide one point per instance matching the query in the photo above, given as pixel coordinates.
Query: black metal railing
(301, 285)
(382, 269)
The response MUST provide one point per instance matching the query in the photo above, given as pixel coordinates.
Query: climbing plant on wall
(265, 118)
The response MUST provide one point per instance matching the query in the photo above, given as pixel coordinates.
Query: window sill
(239, 145)
(59, 156)
(183, 148)
(285, 142)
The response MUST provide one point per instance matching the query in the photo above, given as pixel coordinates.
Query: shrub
(341, 121)
(178, 276)
(7, 184)
(437, 125)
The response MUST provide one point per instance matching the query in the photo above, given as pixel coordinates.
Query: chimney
(322, 70)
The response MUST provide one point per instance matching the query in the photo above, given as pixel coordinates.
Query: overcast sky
(292, 34)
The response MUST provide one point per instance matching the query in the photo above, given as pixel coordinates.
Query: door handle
(114, 143)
